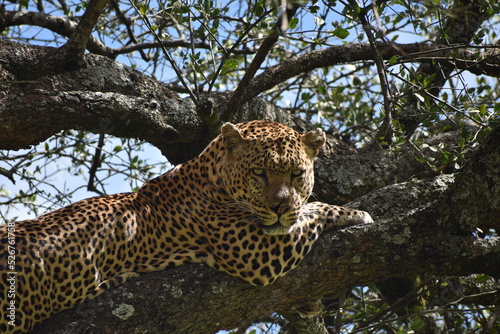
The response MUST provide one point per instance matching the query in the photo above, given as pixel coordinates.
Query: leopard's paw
(362, 217)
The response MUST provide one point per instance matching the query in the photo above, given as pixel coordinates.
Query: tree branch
(62, 26)
(386, 130)
(103, 97)
(196, 299)
(127, 22)
(49, 61)
(77, 43)
(239, 95)
(353, 52)
(66, 27)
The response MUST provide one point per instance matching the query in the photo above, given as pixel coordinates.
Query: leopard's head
(267, 168)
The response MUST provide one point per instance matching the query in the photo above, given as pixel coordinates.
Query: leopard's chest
(239, 247)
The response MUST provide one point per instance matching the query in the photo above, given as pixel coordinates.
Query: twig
(238, 95)
(386, 130)
(452, 107)
(96, 162)
(127, 23)
(165, 52)
(491, 322)
(77, 43)
(8, 174)
(171, 44)
(62, 26)
(191, 40)
(226, 53)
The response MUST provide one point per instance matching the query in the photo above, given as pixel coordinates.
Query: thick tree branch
(101, 75)
(196, 299)
(476, 196)
(62, 26)
(353, 52)
(102, 97)
(408, 238)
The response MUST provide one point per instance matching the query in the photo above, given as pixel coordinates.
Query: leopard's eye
(258, 172)
(297, 172)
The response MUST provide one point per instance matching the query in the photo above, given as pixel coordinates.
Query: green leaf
(393, 60)
(230, 64)
(428, 80)
(482, 109)
(143, 9)
(313, 9)
(482, 278)
(340, 33)
(462, 142)
(417, 324)
(356, 81)
(258, 10)
(306, 96)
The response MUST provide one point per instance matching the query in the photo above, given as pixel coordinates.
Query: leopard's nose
(280, 208)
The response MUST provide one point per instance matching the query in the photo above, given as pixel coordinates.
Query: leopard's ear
(232, 136)
(314, 140)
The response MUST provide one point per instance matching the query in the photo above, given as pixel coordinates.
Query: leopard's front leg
(339, 216)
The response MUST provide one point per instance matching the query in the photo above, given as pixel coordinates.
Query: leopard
(241, 207)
